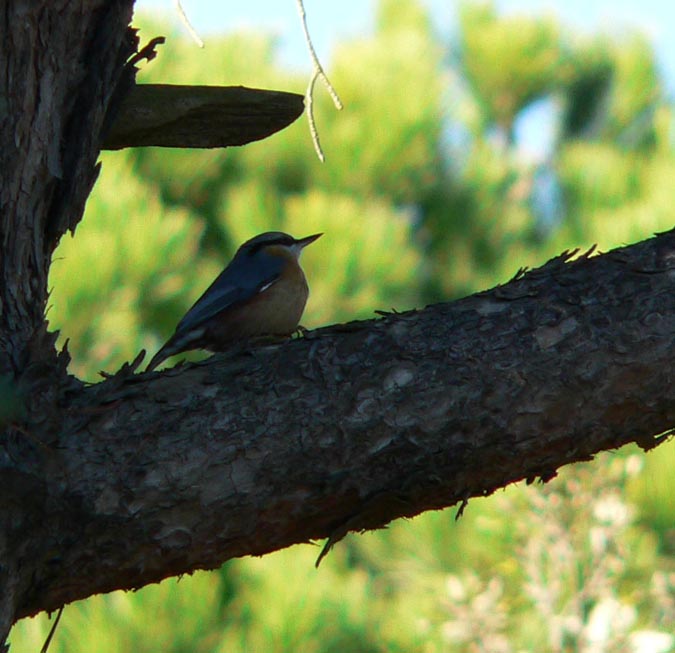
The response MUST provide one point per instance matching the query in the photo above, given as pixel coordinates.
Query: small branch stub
(166, 115)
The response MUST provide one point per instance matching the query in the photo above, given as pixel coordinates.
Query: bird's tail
(177, 343)
(160, 357)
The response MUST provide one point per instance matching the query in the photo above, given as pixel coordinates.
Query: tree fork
(69, 69)
(141, 477)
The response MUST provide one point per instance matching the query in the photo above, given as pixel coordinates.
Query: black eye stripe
(276, 241)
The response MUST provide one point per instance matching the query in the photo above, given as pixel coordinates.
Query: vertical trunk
(62, 74)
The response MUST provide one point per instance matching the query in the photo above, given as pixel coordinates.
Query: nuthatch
(262, 292)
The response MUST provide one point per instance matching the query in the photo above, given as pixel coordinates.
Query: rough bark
(61, 77)
(145, 476)
(350, 427)
(63, 64)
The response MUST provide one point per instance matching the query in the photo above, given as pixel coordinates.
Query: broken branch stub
(166, 115)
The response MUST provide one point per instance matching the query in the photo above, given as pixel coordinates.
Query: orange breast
(275, 311)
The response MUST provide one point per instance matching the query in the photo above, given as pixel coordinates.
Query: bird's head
(276, 243)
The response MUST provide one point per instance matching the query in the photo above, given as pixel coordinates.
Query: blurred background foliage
(430, 192)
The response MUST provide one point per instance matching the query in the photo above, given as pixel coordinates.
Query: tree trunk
(62, 76)
(145, 476)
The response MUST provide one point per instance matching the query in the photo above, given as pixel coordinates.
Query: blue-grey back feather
(242, 279)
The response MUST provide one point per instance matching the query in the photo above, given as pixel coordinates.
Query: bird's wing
(237, 283)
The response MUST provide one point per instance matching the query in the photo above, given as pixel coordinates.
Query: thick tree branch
(350, 427)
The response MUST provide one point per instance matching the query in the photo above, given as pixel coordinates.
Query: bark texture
(61, 77)
(63, 63)
(352, 426)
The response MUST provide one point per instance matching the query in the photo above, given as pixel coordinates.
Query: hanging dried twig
(317, 73)
(188, 25)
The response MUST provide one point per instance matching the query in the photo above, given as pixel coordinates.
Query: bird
(261, 292)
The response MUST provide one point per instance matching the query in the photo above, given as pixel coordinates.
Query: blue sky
(331, 22)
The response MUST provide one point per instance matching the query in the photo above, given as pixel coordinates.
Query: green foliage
(130, 255)
(408, 217)
(589, 82)
(391, 80)
(366, 258)
(636, 93)
(509, 62)
(174, 616)
(615, 197)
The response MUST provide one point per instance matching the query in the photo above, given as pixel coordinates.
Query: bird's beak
(303, 242)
